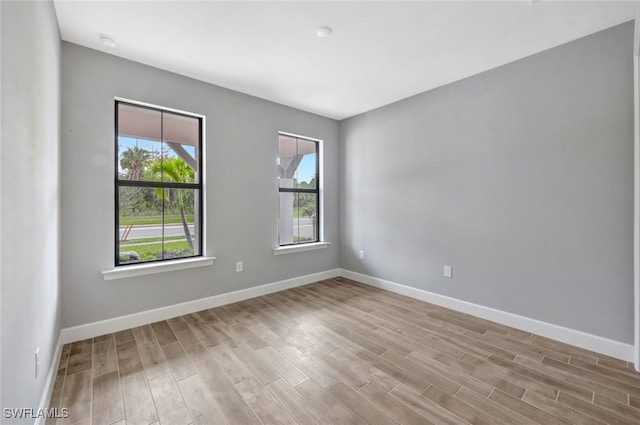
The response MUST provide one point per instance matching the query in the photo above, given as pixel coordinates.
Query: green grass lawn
(297, 239)
(152, 251)
(302, 214)
(156, 239)
(153, 219)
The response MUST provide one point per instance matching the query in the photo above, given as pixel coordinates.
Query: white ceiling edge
(380, 51)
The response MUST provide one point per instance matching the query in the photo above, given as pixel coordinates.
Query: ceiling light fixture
(324, 32)
(107, 41)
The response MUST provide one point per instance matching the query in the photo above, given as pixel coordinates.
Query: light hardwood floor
(338, 352)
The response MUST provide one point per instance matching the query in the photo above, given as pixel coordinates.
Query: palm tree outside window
(158, 184)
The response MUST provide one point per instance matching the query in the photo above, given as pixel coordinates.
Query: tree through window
(158, 194)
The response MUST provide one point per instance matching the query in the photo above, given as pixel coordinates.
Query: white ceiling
(380, 52)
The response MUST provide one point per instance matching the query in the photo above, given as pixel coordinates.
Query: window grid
(196, 186)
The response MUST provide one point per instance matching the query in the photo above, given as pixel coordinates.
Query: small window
(299, 190)
(158, 185)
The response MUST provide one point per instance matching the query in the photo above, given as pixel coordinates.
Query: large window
(299, 190)
(158, 184)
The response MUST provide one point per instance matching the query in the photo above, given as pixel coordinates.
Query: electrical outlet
(361, 254)
(239, 266)
(37, 360)
(448, 271)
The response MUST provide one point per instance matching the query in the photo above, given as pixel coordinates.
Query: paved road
(137, 232)
(303, 228)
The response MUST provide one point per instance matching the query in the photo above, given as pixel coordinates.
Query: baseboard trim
(50, 382)
(581, 339)
(90, 330)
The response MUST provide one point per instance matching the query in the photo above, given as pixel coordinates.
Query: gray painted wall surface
(30, 199)
(241, 187)
(520, 178)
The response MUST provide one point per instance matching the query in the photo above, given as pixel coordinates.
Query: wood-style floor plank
(338, 352)
(199, 399)
(359, 405)
(129, 361)
(144, 334)
(107, 400)
(468, 381)
(80, 355)
(262, 402)
(139, 408)
(163, 333)
(234, 407)
(180, 364)
(555, 408)
(256, 364)
(482, 373)
(416, 369)
(621, 409)
(233, 367)
(323, 401)
(56, 395)
(605, 415)
(168, 401)
(153, 360)
(537, 415)
(496, 410)
(123, 336)
(284, 367)
(295, 403)
(182, 331)
(104, 358)
(394, 407)
(308, 366)
(519, 375)
(460, 408)
(426, 407)
(76, 397)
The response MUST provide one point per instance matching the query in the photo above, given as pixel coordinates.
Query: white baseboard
(50, 382)
(559, 333)
(90, 330)
(581, 339)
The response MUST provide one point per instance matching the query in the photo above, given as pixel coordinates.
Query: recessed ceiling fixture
(324, 32)
(107, 40)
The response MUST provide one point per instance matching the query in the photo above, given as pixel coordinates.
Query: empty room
(315, 212)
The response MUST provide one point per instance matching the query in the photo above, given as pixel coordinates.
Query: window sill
(290, 249)
(144, 269)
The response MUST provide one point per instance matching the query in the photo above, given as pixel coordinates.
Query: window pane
(306, 217)
(298, 214)
(297, 165)
(140, 218)
(157, 146)
(181, 229)
(158, 224)
(306, 170)
(139, 142)
(287, 166)
(181, 136)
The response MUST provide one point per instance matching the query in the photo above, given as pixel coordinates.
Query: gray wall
(30, 198)
(241, 187)
(520, 178)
